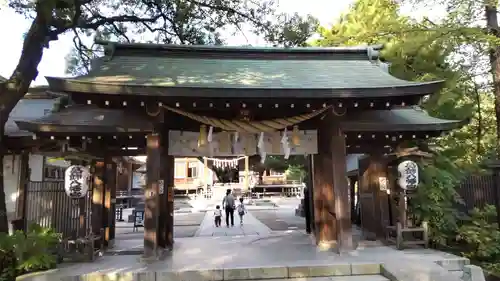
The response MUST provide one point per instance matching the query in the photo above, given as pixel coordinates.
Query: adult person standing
(228, 203)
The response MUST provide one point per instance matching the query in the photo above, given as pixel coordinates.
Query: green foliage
(37, 249)
(32, 251)
(436, 199)
(183, 22)
(421, 50)
(62, 102)
(482, 235)
(8, 261)
(291, 31)
(295, 172)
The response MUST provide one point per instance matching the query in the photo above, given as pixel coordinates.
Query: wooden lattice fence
(477, 191)
(49, 206)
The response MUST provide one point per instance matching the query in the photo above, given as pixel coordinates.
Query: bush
(481, 235)
(436, 199)
(8, 261)
(28, 252)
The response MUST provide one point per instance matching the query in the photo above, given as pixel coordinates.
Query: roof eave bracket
(373, 53)
(109, 50)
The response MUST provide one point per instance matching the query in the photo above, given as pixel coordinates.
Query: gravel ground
(280, 219)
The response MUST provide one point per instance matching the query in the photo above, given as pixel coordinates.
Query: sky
(13, 26)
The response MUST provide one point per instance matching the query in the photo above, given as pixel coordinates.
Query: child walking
(241, 210)
(218, 216)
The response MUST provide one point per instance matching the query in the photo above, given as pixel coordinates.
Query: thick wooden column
(310, 190)
(151, 193)
(374, 206)
(97, 197)
(169, 190)
(341, 187)
(352, 196)
(308, 206)
(166, 218)
(323, 197)
(24, 178)
(247, 174)
(109, 202)
(205, 174)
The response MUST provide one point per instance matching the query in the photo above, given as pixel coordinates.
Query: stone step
(333, 278)
(359, 271)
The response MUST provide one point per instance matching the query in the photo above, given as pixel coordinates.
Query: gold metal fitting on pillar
(202, 139)
(295, 136)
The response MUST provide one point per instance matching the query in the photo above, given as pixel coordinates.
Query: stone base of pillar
(161, 254)
(325, 246)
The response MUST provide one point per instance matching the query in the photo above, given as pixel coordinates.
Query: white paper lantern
(408, 175)
(76, 181)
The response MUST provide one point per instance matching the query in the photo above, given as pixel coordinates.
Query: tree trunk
(479, 129)
(490, 11)
(492, 25)
(16, 87)
(4, 224)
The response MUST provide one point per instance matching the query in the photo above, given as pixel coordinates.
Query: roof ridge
(112, 46)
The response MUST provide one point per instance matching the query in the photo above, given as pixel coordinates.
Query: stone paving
(250, 226)
(129, 242)
(280, 219)
(284, 250)
(255, 252)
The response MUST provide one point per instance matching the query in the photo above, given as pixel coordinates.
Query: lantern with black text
(76, 181)
(408, 175)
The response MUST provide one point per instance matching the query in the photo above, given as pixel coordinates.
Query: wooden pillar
(308, 210)
(352, 193)
(311, 193)
(324, 204)
(169, 185)
(97, 197)
(375, 217)
(166, 212)
(247, 181)
(22, 189)
(109, 202)
(205, 173)
(151, 193)
(341, 188)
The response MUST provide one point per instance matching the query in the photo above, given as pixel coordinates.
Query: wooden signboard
(138, 219)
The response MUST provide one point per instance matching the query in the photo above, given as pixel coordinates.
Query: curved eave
(399, 120)
(75, 129)
(77, 86)
(87, 119)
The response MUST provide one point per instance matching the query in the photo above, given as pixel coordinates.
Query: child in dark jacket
(218, 216)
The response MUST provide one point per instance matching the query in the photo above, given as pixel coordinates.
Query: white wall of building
(11, 165)
(36, 166)
(11, 172)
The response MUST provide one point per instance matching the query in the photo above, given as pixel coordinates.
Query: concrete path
(251, 227)
(284, 252)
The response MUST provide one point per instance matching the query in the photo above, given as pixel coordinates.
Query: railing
(123, 193)
(129, 193)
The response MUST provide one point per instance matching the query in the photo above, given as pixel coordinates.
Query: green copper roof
(88, 119)
(91, 119)
(411, 119)
(165, 70)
